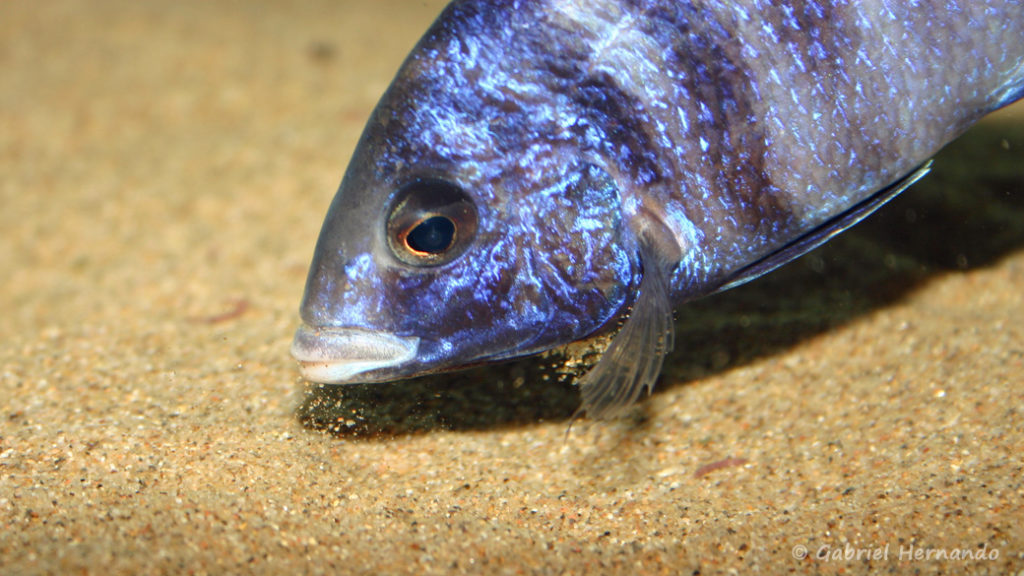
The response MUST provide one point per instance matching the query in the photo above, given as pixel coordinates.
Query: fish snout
(333, 355)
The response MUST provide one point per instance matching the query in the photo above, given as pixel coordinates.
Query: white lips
(336, 355)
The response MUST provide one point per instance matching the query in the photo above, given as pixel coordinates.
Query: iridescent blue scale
(542, 171)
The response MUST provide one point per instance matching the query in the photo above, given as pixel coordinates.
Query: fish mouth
(330, 355)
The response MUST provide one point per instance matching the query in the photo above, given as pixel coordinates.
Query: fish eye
(431, 222)
(431, 236)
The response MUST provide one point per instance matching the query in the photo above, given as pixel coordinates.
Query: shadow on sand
(967, 214)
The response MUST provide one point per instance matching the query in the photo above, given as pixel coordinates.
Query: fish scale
(581, 167)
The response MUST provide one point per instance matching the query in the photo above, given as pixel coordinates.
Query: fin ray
(633, 360)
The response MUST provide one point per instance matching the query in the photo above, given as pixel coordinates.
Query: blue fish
(543, 172)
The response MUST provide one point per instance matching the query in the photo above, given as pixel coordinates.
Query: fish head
(469, 227)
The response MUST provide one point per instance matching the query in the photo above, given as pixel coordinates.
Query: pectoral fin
(633, 360)
(818, 236)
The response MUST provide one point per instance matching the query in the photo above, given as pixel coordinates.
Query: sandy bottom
(165, 169)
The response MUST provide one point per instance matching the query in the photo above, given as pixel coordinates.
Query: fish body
(541, 171)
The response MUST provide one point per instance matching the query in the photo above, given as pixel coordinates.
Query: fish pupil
(431, 236)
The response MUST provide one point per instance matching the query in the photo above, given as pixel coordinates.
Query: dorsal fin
(823, 233)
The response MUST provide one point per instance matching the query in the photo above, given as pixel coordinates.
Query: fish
(544, 172)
